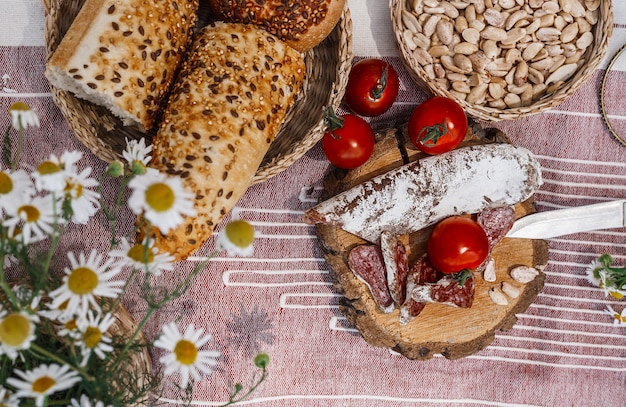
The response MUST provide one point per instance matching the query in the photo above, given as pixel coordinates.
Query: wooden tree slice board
(438, 329)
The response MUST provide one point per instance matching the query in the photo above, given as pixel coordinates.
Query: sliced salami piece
(366, 262)
(447, 291)
(421, 272)
(396, 261)
(496, 222)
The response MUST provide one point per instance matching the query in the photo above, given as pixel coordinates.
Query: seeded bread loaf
(300, 23)
(124, 55)
(225, 109)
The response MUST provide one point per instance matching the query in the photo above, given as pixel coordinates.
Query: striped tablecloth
(564, 350)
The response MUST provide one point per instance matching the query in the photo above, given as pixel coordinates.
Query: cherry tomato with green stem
(348, 141)
(437, 125)
(372, 87)
(457, 243)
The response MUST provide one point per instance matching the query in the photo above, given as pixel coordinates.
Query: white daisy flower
(7, 399)
(92, 337)
(137, 151)
(186, 356)
(22, 116)
(15, 187)
(84, 201)
(67, 325)
(87, 402)
(162, 200)
(86, 279)
(237, 238)
(593, 272)
(51, 175)
(34, 218)
(618, 318)
(17, 331)
(140, 257)
(42, 381)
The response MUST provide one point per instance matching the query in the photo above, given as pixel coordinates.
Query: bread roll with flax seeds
(124, 55)
(303, 24)
(228, 104)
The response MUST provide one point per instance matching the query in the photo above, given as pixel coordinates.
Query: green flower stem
(111, 215)
(54, 357)
(234, 400)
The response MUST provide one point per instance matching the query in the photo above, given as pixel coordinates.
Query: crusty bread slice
(226, 107)
(302, 24)
(124, 55)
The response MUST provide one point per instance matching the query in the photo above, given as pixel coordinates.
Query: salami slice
(396, 262)
(421, 272)
(447, 291)
(496, 222)
(366, 262)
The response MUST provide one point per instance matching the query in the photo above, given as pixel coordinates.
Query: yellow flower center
(43, 384)
(620, 318)
(6, 183)
(14, 330)
(76, 188)
(240, 233)
(186, 352)
(29, 213)
(82, 280)
(47, 168)
(19, 106)
(71, 324)
(616, 294)
(92, 337)
(139, 254)
(160, 197)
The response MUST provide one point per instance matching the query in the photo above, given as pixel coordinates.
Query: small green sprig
(615, 277)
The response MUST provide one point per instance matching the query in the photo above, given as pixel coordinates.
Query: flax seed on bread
(124, 55)
(225, 109)
(302, 24)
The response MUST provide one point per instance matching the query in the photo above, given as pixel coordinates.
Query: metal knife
(559, 222)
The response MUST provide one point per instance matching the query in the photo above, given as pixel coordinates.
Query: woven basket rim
(330, 62)
(594, 56)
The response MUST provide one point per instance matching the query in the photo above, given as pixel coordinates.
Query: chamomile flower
(92, 338)
(85, 202)
(618, 318)
(87, 402)
(593, 273)
(17, 331)
(43, 381)
(35, 218)
(85, 279)
(137, 153)
(237, 238)
(22, 116)
(185, 355)
(161, 199)
(67, 325)
(51, 174)
(7, 399)
(15, 187)
(141, 257)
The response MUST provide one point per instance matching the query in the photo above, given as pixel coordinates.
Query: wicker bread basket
(416, 54)
(328, 66)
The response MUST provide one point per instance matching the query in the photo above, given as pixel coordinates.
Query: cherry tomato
(349, 141)
(457, 243)
(437, 125)
(372, 87)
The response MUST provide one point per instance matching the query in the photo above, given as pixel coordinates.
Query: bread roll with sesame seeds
(300, 23)
(226, 107)
(124, 55)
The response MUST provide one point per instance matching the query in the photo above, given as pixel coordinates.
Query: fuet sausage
(416, 195)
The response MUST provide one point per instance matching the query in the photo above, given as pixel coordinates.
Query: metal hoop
(605, 117)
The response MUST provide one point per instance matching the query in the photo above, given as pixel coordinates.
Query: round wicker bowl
(421, 56)
(328, 66)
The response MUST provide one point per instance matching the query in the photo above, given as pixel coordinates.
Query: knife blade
(559, 222)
